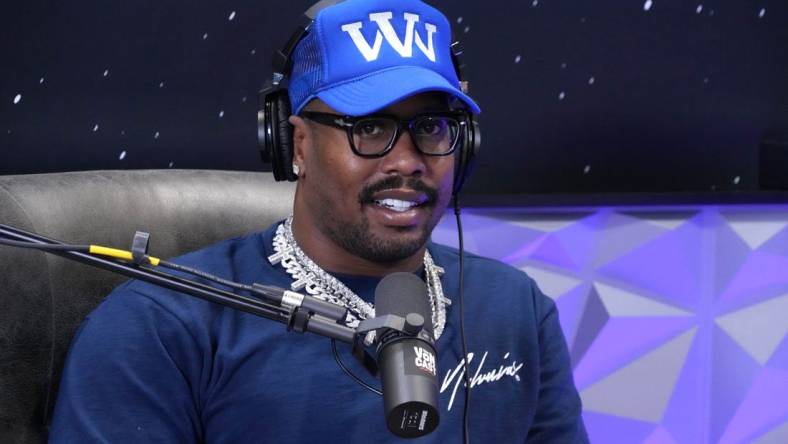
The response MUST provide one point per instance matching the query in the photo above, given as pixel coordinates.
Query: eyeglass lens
(434, 135)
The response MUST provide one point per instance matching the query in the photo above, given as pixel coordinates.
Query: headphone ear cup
(471, 143)
(284, 131)
(274, 133)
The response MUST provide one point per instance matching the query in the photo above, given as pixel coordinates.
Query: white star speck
(762, 12)
(587, 169)
(459, 20)
(41, 80)
(517, 58)
(699, 9)
(122, 155)
(156, 136)
(561, 96)
(171, 164)
(161, 84)
(205, 36)
(95, 128)
(106, 72)
(221, 113)
(467, 28)
(736, 180)
(591, 81)
(232, 16)
(647, 5)
(534, 3)
(17, 98)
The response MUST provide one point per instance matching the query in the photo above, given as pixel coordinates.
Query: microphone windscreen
(402, 293)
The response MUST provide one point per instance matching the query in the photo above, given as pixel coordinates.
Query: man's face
(380, 209)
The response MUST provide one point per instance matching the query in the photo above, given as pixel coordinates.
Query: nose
(404, 158)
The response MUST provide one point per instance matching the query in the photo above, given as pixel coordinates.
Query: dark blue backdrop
(577, 96)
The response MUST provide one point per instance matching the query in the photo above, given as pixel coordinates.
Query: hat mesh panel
(307, 71)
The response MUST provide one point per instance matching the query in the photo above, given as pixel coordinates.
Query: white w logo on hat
(404, 49)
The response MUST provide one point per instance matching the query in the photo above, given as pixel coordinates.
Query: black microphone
(407, 358)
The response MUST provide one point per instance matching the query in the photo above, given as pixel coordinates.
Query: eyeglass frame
(349, 122)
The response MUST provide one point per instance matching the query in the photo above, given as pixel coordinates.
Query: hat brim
(383, 88)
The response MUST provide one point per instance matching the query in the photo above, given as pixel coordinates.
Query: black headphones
(275, 134)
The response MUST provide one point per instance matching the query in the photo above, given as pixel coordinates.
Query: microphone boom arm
(295, 318)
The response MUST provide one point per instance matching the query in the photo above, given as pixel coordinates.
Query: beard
(356, 237)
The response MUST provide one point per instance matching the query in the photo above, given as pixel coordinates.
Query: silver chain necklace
(308, 276)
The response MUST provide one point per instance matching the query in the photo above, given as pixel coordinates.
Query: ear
(302, 135)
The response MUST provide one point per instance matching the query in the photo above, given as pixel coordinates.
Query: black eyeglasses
(434, 134)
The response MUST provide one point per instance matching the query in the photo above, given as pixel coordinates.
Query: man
(376, 127)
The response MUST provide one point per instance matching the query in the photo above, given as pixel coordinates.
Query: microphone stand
(294, 318)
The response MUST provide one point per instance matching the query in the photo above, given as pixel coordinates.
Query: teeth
(396, 204)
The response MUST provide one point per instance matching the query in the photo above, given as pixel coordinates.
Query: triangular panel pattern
(551, 250)
(579, 241)
(571, 307)
(660, 436)
(751, 419)
(548, 222)
(777, 435)
(756, 228)
(758, 329)
(492, 237)
(684, 416)
(620, 302)
(552, 283)
(778, 244)
(622, 340)
(730, 252)
(625, 393)
(760, 277)
(666, 219)
(621, 234)
(524, 251)
(733, 372)
(779, 358)
(674, 317)
(668, 266)
(591, 323)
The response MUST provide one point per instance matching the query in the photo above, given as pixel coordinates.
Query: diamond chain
(307, 275)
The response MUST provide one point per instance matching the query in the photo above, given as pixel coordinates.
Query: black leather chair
(43, 298)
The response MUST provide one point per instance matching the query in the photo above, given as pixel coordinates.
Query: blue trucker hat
(363, 55)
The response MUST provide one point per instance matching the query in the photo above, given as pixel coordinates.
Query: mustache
(394, 182)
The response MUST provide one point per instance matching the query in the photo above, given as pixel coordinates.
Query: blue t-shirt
(150, 364)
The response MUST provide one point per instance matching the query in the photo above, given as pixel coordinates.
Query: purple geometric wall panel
(676, 318)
